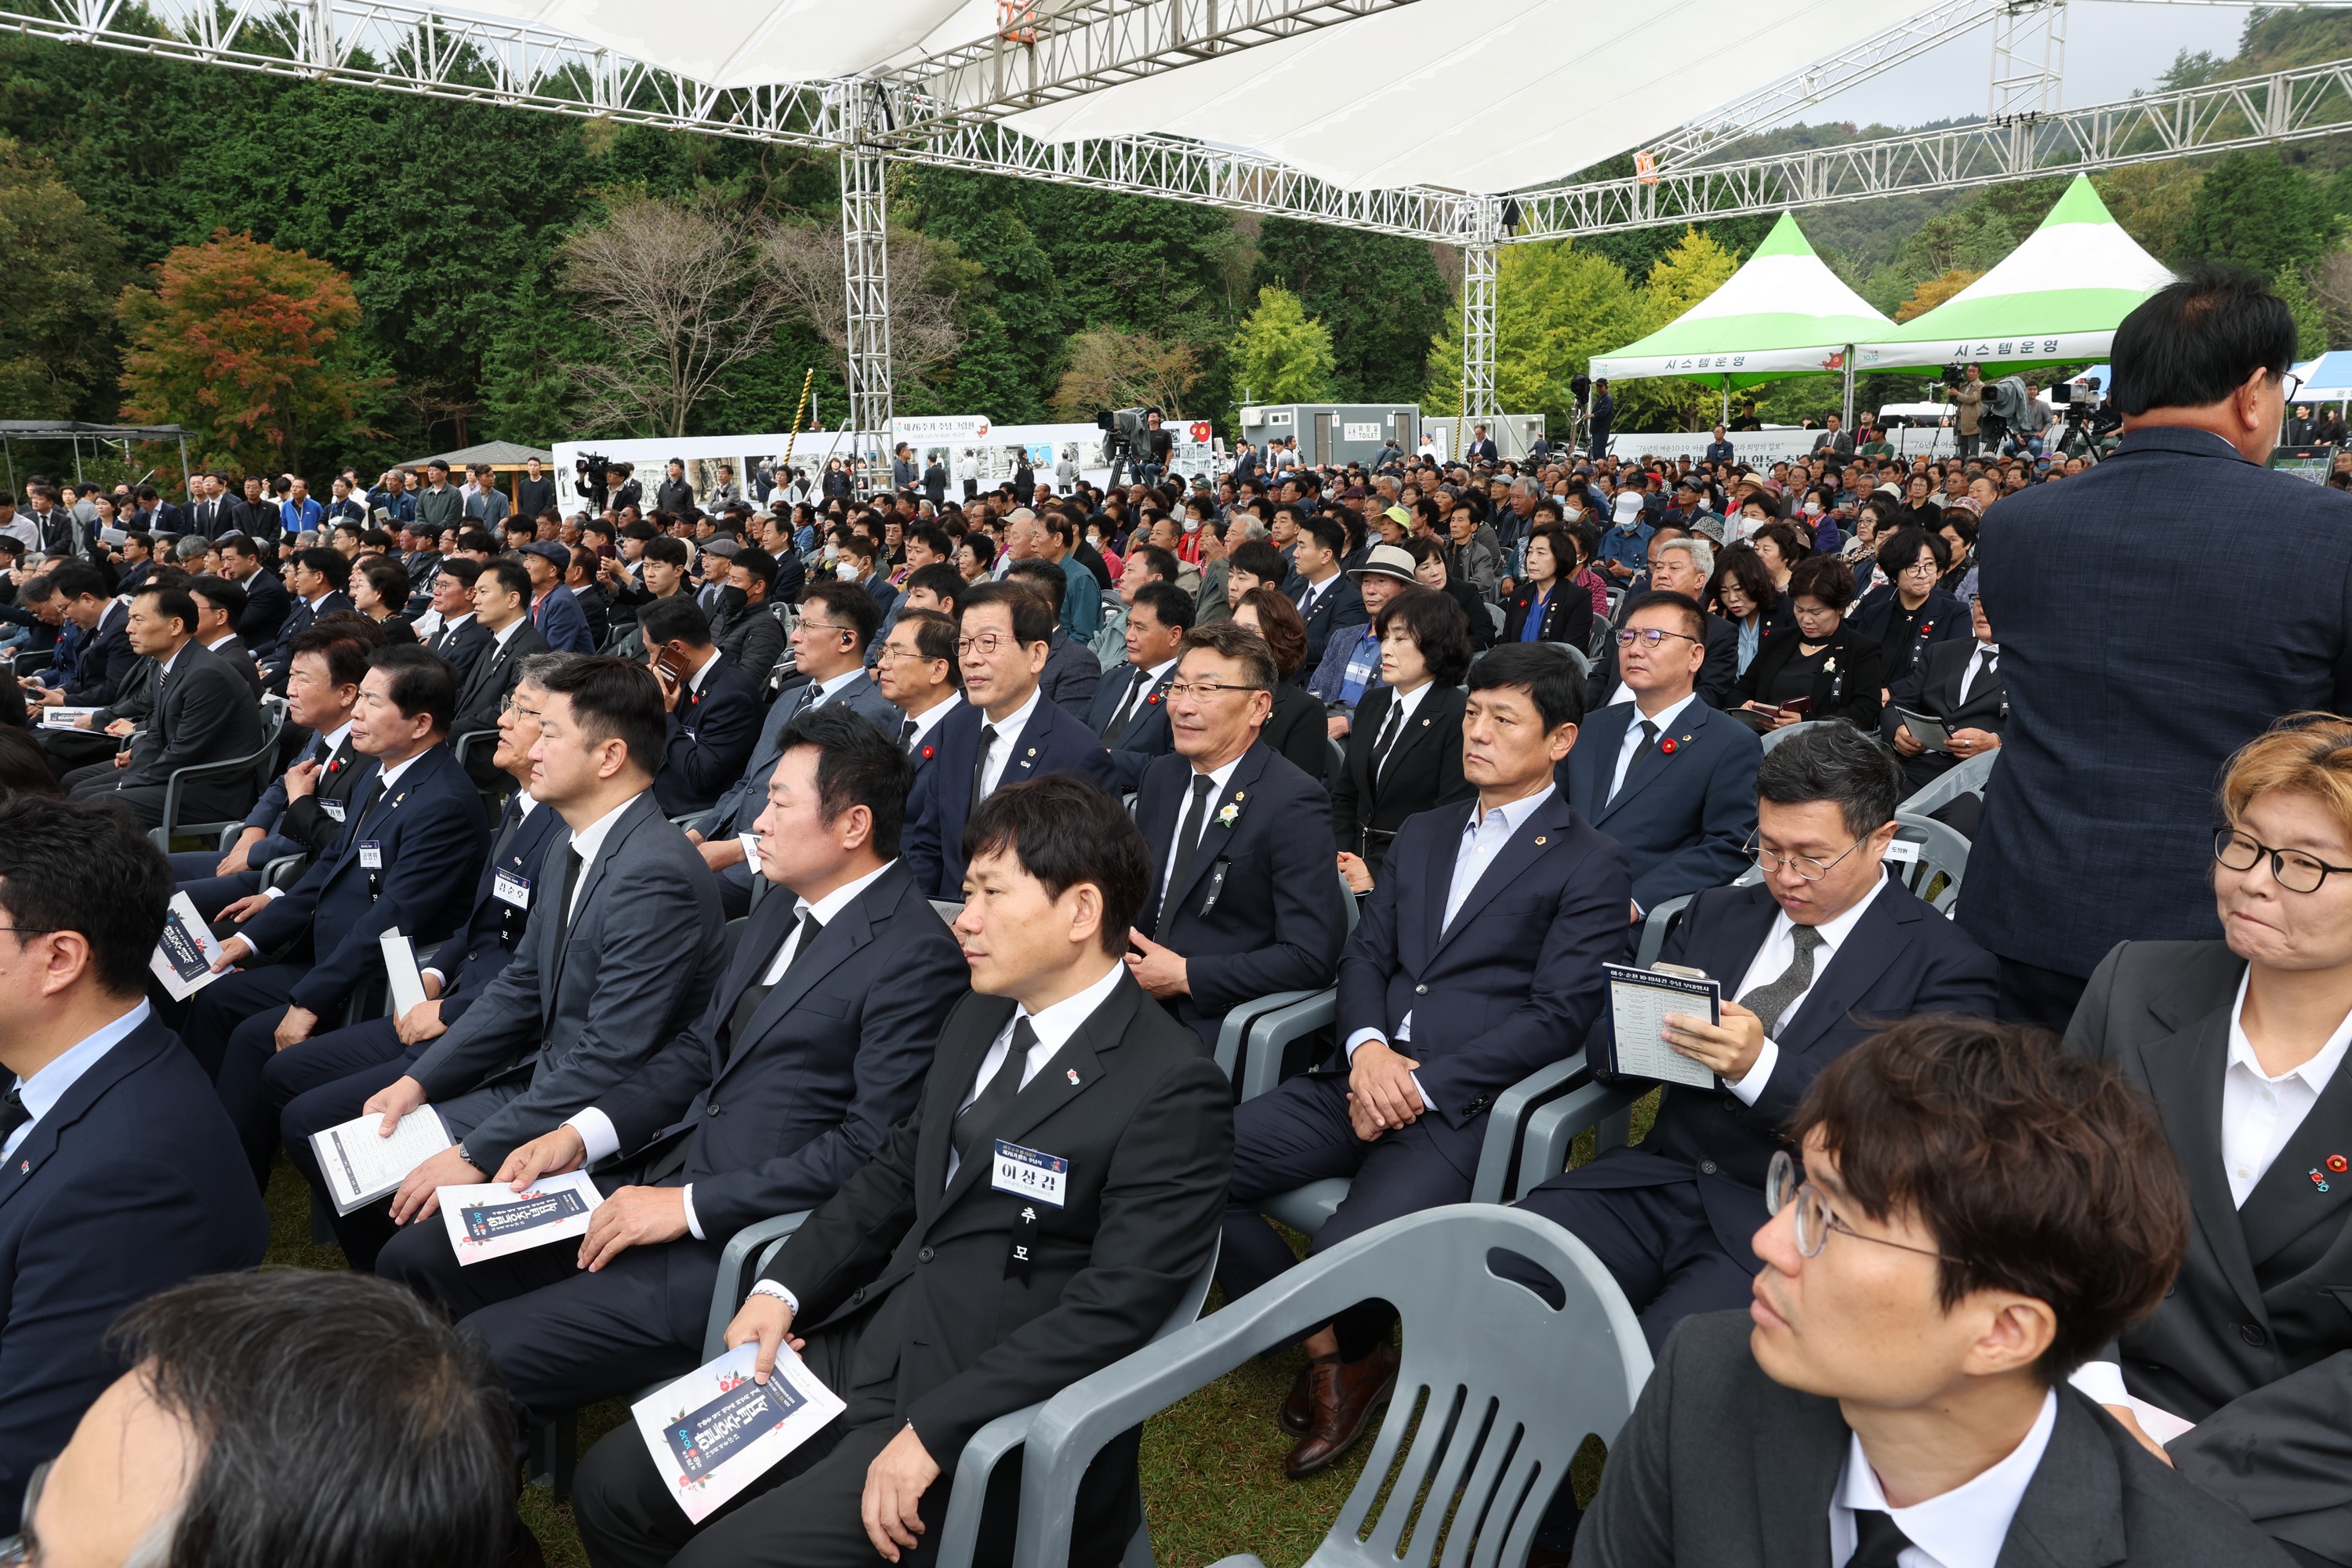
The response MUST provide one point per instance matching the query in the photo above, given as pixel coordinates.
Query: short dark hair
(1826, 579)
(24, 766)
(1738, 563)
(227, 597)
(84, 866)
(2036, 1171)
(459, 568)
(1261, 559)
(1062, 831)
(856, 765)
(1330, 534)
(2196, 340)
(327, 564)
(287, 1377)
(479, 540)
(675, 619)
(511, 575)
(935, 636)
(1961, 520)
(1438, 627)
(1899, 551)
(1791, 541)
(758, 563)
(423, 682)
(847, 602)
(1693, 619)
(1032, 618)
(389, 580)
(1164, 564)
(615, 700)
(77, 579)
(669, 552)
(940, 578)
(171, 603)
(1051, 584)
(935, 539)
(1170, 605)
(1230, 641)
(346, 655)
(237, 544)
(1839, 763)
(1546, 670)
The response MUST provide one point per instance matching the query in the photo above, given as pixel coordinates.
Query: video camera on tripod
(1123, 440)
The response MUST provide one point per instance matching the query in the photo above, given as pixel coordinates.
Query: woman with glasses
(2241, 1042)
(1824, 668)
(1906, 612)
(1404, 748)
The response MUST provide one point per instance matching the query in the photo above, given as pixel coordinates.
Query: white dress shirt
(586, 844)
(999, 750)
(1770, 963)
(1986, 653)
(1403, 704)
(694, 682)
(1963, 1528)
(1314, 595)
(928, 720)
(601, 1140)
(1632, 746)
(1218, 781)
(40, 1093)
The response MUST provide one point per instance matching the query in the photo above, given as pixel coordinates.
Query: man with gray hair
(1679, 563)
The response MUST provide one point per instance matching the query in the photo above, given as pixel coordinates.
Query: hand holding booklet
(714, 1431)
(490, 1220)
(1639, 1002)
(184, 954)
(362, 1165)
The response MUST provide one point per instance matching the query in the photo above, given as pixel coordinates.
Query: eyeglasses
(1653, 635)
(2291, 868)
(1784, 1184)
(2289, 384)
(1806, 866)
(824, 626)
(985, 644)
(23, 1550)
(1206, 690)
(1925, 566)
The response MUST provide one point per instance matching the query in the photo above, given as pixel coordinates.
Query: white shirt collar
(1159, 672)
(1963, 1528)
(451, 622)
(506, 636)
(841, 898)
(1834, 932)
(1057, 1023)
(928, 720)
(392, 774)
(2316, 1074)
(1664, 721)
(1404, 703)
(216, 644)
(333, 742)
(321, 599)
(41, 1092)
(694, 682)
(165, 668)
(1015, 721)
(1513, 815)
(590, 840)
(828, 690)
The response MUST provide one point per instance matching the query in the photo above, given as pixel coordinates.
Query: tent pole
(1726, 403)
(1849, 387)
(8, 450)
(187, 480)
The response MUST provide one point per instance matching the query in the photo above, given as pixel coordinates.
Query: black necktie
(907, 737)
(1187, 842)
(1649, 739)
(509, 820)
(973, 1123)
(1117, 725)
(367, 802)
(1771, 1000)
(1986, 667)
(753, 994)
(573, 866)
(1878, 1540)
(13, 1113)
(1388, 735)
(979, 760)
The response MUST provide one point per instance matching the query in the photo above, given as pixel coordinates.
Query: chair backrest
(1963, 778)
(1497, 1391)
(1938, 864)
(1494, 614)
(1583, 659)
(1772, 737)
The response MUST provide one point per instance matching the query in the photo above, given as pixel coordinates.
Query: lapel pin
(2319, 1178)
(1539, 839)
(1668, 745)
(2335, 1163)
(1074, 1075)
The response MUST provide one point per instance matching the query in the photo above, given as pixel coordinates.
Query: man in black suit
(1479, 961)
(318, 580)
(1073, 677)
(813, 1045)
(219, 603)
(1668, 777)
(267, 603)
(1960, 685)
(933, 1292)
(461, 636)
(103, 656)
(1243, 902)
(1682, 563)
(2104, 787)
(1006, 732)
(1130, 709)
(713, 707)
(502, 604)
(1972, 1214)
(1325, 595)
(204, 713)
(122, 1176)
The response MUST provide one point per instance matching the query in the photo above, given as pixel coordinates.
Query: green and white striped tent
(1782, 313)
(2059, 295)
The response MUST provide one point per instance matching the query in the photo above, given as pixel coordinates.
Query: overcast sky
(2113, 48)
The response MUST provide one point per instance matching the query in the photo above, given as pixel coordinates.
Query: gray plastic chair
(1942, 864)
(260, 763)
(1254, 1037)
(1513, 1389)
(1967, 778)
(1583, 659)
(1772, 737)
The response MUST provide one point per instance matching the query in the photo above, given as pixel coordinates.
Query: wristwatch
(462, 1154)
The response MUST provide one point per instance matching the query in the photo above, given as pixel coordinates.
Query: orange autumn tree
(255, 350)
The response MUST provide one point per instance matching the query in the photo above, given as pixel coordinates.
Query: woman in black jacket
(1824, 669)
(1562, 610)
(1296, 728)
(1404, 748)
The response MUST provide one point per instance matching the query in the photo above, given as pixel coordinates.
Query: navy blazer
(1716, 671)
(1342, 605)
(710, 735)
(561, 620)
(1260, 909)
(1945, 619)
(266, 605)
(828, 1062)
(472, 958)
(462, 647)
(299, 617)
(430, 832)
(102, 660)
(1051, 742)
(2125, 700)
(1900, 959)
(1688, 805)
(133, 1182)
(1146, 736)
(1515, 980)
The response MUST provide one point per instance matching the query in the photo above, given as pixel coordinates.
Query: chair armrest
(1512, 1107)
(176, 781)
(1553, 1128)
(1657, 924)
(1261, 1067)
(736, 1261)
(1235, 1029)
(282, 872)
(960, 1532)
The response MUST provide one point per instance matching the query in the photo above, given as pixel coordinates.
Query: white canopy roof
(1470, 95)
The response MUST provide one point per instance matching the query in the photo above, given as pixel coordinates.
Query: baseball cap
(560, 554)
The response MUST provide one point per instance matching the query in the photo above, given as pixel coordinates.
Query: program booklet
(1639, 1001)
(490, 1220)
(64, 718)
(1928, 732)
(714, 1431)
(362, 1165)
(184, 954)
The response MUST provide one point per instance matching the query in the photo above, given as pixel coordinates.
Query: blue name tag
(491, 1221)
(704, 1439)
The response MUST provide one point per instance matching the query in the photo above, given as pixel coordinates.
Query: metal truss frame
(2028, 58)
(865, 267)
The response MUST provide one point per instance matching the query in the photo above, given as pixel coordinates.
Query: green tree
(2294, 287)
(1281, 354)
(1696, 268)
(2255, 210)
(58, 343)
(1556, 306)
(527, 394)
(1382, 298)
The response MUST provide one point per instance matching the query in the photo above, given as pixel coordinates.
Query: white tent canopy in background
(1470, 95)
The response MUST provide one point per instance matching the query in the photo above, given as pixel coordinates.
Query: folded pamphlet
(1639, 1001)
(714, 1431)
(1930, 732)
(400, 972)
(362, 1165)
(490, 1220)
(184, 954)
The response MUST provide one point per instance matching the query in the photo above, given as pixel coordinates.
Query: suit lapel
(1544, 831)
(975, 1026)
(1800, 1449)
(124, 1058)
(1067, 1074)
(1411, 732)
(2185, 1072)
(1865, 954)
(847, 932)
(2300, 1190)
(1217, 834)
(2071, 1515)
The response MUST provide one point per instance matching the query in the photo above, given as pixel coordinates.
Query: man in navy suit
(1325, 593)
(119, 1175)
(714, 707)
(1004, 734)
(1680, 562)
(267, 603)
(1130, 711)
(815, 1044)
(406, 858)
(319, 576)
(2125, 702)
(1812, 959)
(100, 633)
(1479, 961)
(1668, 777)
(1244, 900)
(553, 611)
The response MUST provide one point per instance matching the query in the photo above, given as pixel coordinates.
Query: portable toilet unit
(1334, 433)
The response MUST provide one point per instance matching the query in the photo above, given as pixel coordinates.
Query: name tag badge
(1903, 851)
(1026, 1173)
(513, 889)
(333, 808)
(371, 856)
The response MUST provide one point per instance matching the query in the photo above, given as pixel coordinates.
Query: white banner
(942, 429)
(1987, 350)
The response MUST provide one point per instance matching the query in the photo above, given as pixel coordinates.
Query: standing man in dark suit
(1973, 1216)
(1326, 595)
(713, 707)
(1005, 733)
(267, 603)
(931, 1294)
(204, 713)
(501, 592)
(1131, 711)
(461, 636)
(1242, 901)
(119, 1175)
(1479, 961)
(2120, 714)
(815, 1045)
(1479, 448)
(1668, 777)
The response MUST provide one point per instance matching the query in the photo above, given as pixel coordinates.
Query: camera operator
(1158, 446)
(1968, 402)
(589, 482)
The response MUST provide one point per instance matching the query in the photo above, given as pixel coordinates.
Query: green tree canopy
(2252, 209)
(1281, 354)
(1556, 306)
(57, 334)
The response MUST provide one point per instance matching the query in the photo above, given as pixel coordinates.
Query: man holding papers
(813, 1047)
(119, 1175)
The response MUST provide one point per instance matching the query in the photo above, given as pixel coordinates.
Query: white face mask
(831, 552)
(847, 570)
(1191, 525)
(1812, 509)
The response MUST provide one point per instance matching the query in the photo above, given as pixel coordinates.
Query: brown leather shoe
(1342, 1397)
(1297, 1411)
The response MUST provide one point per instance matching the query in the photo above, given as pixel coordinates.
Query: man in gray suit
(203, 714)
(1975, 1213)
(622, 945)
